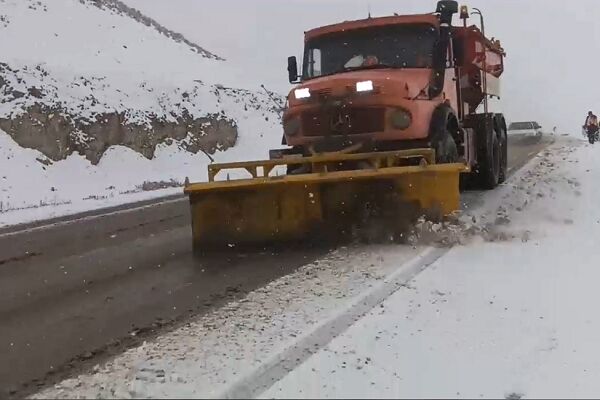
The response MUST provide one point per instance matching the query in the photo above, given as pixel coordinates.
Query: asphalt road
(74, 291)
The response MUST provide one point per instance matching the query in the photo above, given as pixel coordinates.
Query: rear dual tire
(492, 154)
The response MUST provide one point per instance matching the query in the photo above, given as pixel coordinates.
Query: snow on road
(202, 358)
(507, 313)
(512, 317)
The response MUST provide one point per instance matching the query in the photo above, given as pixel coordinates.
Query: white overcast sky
(553, 58)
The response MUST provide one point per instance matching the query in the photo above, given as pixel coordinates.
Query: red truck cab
(398, 82)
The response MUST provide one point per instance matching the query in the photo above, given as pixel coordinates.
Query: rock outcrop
(57, 134)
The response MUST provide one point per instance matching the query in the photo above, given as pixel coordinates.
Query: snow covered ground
(88, 61)
(30, 190)
(508, 312)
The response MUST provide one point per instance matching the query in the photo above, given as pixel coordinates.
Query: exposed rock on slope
(57, 134)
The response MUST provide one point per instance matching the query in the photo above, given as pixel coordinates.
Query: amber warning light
(464, 12)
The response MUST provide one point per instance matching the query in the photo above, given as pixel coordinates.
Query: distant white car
(528, 128)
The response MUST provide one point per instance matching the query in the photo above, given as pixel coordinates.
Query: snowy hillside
(107, 99)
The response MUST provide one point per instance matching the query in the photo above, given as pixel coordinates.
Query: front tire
(446, 150)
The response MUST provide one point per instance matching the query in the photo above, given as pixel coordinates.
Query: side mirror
(292, 69)
(446, 9)
(447, 6)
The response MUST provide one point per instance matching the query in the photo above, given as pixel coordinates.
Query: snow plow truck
(388, 115)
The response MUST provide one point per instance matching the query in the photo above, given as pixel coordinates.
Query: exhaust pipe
(446, 9)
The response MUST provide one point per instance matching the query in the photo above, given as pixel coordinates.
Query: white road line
(88, 218)
(279, 365)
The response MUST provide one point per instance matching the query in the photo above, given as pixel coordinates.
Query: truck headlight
(401, 119)
(303, 93)
(364, 86)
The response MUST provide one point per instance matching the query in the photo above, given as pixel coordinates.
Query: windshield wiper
(374, 66)
(349, 69)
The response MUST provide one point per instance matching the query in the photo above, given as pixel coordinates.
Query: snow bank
(513, 317)
(31, 190)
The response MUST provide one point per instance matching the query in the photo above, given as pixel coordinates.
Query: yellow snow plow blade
(265, 209)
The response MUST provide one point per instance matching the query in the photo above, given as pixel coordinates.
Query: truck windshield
(397, 46)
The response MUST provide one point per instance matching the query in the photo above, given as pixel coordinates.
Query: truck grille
(349, 121)
(323, 93)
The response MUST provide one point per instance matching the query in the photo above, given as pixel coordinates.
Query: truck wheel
(490, 160)
(503, 139)
(445, 147)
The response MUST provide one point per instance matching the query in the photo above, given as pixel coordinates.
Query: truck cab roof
(431, 19)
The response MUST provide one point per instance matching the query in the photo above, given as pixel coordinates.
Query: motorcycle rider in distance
(591, 124)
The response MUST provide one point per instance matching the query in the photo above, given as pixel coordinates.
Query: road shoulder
(512, 314)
